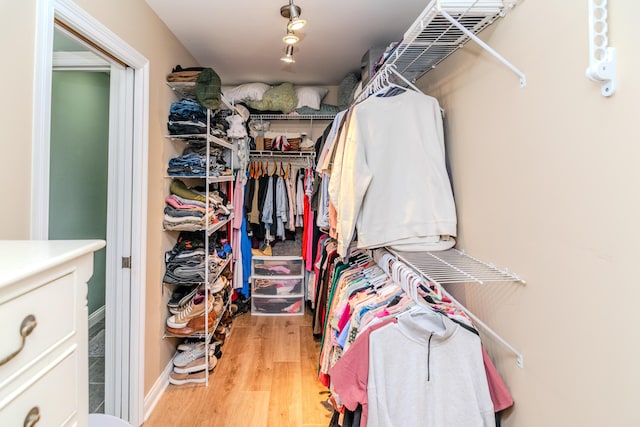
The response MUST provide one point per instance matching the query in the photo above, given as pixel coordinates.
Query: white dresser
(43, 332)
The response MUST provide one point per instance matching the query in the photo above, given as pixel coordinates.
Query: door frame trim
(75, 17)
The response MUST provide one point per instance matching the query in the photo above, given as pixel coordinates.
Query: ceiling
(242, 39)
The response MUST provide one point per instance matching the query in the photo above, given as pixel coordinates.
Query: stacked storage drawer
(277, 286)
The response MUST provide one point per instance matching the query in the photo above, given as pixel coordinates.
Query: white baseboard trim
(152, 399)
(96, 316)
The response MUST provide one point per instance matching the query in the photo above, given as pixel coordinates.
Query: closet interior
(281, 205)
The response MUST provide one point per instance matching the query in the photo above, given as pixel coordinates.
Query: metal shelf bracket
(602, 58)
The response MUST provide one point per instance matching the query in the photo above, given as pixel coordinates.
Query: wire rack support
(455, 266)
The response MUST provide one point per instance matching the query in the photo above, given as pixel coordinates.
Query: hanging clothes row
(275, 199)
(384, 176)
(396, 352)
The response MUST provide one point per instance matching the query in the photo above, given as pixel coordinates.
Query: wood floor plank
(240, 409)
(285, 406)
(286, 345)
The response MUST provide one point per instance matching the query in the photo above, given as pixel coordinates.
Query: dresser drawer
(53, 306)
(54, 393)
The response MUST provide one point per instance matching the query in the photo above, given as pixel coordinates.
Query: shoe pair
(195, 325)
(199, 305)
(195, 373)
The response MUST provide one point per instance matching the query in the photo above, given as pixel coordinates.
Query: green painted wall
(79, 165)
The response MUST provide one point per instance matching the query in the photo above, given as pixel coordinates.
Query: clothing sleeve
(349, 376)
(354, 182)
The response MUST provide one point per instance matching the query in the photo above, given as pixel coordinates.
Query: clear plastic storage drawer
(272, 286)
(277, 266)
(273, 306)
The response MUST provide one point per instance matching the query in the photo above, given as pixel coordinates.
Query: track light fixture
(292, 13)
(290, 38)
(288, 55)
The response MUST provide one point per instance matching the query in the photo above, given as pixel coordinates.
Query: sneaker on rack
(196, 307)
(186, 357)
(218, 305)
(219, 284)
(193, 378)
(189, 344)
(181, 296)
(199, 364)
(194, 326)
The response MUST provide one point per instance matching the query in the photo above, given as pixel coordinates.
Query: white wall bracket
(515, 70)
(602, 58)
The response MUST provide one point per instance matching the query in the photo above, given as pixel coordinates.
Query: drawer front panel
(277, 266)
(54, 394)
(277, 306)
(278, 286)
(53, 306)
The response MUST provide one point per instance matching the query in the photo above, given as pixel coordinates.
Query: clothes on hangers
(389, 179)
(373, 309)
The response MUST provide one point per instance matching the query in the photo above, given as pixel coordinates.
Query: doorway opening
(126, 189)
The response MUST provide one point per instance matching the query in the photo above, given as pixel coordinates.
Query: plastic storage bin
(277, 266)
(276, 306)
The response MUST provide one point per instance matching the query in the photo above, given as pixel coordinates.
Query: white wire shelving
(293, 116)
(201, 138)
(268, 153)
(443, 27)
(455, 266)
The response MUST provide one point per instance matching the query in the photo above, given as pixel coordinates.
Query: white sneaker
(189, 356)
(197, 365)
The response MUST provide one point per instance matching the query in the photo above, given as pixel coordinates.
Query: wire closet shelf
(454, 266)
(443, 27)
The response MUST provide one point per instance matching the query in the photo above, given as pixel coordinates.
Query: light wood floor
(266, 378)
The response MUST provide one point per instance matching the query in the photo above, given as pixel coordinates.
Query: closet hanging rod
(446, 265)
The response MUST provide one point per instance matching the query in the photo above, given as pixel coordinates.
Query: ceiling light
(290, 38)
(296, 24)
(288, 57)
(292, 12)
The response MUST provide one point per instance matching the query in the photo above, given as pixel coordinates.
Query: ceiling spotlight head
(296, 24)
(290, 38)
(288, 57)
(292, 13)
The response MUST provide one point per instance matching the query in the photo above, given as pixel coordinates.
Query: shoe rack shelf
(225, 184)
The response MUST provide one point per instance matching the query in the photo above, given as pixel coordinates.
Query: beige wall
(16, 43)
(545, 182)
(134, 22)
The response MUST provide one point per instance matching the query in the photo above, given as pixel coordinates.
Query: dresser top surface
(22, 258)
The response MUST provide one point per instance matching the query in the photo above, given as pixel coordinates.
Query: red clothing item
(350, 375)
(498, 390)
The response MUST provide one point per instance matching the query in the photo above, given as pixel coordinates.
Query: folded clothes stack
(193, 162)
(188, 117)
(185, 262)
(187, 207)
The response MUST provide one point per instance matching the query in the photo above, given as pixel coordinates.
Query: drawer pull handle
(32, 417)
(28, 325)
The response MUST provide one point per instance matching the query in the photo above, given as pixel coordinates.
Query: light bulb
(296, 24)
(290, 38)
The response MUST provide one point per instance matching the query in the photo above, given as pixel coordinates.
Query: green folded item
(180, 189)
(208, 89)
